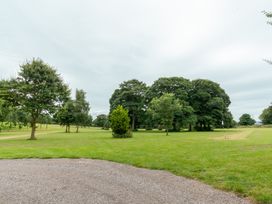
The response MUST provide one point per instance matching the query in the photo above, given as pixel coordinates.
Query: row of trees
(173, 103)
(38, 94)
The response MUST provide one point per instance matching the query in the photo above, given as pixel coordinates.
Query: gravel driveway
(94, 181)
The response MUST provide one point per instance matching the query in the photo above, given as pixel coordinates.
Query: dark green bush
(119, 121)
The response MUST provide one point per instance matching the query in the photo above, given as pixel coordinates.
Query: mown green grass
(243, 166)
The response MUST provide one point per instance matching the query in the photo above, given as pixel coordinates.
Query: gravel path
(94, 181)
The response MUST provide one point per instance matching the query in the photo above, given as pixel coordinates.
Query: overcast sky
(97, 44)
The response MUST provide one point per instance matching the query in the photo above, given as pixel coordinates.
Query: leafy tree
(180, 87)
(65, 115)
(81, 109)
(210, 103)
(164, 109)
(131, 95)
(266, 116)
(38, 89)
(119, 120)
(101, 121)
(246, 120)
(185, 117)
(228, 121)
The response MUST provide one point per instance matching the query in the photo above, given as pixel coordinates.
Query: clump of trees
(246, 120)
(75, 112)
(36, 95)
(119, 120)
(203, 104)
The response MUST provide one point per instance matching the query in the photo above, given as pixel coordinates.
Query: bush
(119, 121)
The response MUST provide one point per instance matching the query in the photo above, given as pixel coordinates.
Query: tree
(38, 89)
(119, 120)
(65, 115)
(180, 87)
(266, 116)
(210, 103)
(131, 95)
(81, 109)
(246, 120)
(164, 109)
(101, 121)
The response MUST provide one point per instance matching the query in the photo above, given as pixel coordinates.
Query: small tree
(164, 108)
(65, 115)
(81, 109)
(119, 120)
(246, 120)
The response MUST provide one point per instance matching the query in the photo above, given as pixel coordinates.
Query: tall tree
(131, 95)
(246, 120)
(164, 109)
(81, 109)
(38, 89)
(210, 103)
(266, 116)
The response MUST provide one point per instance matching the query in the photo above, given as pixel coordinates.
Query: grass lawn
(237, 160)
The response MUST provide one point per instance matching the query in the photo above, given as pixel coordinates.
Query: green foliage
(101, 120)
(131, 95)
(81, 109)
(164, 109)
(119, 121)
(75, 112)
(266, 116)
(65, 116)
(210, 103)
(38, 89)
(204, 103)
(178, 86)
(246, 120)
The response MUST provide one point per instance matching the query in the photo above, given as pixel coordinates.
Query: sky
(97, 44)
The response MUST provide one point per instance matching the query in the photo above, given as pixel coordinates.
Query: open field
(238, 160)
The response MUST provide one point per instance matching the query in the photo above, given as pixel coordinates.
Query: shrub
(119, 121)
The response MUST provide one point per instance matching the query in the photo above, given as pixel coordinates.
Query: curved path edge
(98, 182)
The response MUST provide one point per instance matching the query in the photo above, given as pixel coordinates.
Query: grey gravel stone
(95, 181)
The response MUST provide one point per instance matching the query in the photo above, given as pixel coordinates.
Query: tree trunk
(190, 128)
(77, 129)
(66, 128)
(133, 123)
(166, 131)
(33, 130)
